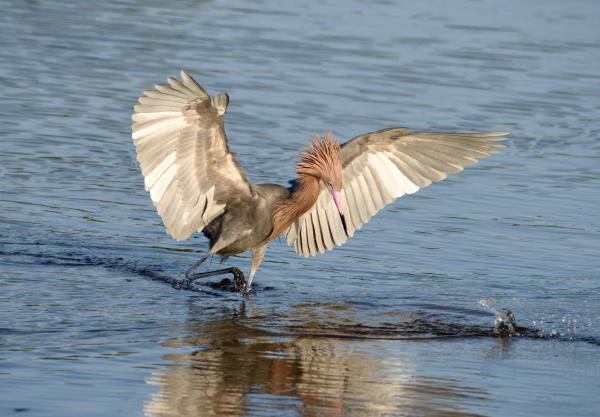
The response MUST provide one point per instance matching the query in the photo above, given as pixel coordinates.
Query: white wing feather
(183, 152)
(378, 168)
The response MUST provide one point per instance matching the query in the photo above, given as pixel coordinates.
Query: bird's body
(197, 185)
(247, 225)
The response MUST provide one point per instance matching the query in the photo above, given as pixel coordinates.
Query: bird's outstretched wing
(182, 149)
(379, 167)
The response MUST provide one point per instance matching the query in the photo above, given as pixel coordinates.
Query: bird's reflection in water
(235, 367)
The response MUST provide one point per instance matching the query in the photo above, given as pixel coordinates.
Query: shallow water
(389, 324)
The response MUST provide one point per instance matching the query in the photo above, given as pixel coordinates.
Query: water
(505, 324)
(389, 324)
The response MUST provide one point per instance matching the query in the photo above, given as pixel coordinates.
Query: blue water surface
(388, 324)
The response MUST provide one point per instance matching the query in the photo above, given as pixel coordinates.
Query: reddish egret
(197, 185)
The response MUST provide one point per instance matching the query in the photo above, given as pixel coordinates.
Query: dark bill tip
(344, 224)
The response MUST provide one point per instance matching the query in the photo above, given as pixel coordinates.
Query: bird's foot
(239, 283)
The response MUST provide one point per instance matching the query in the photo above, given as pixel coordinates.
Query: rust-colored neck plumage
(321, 162)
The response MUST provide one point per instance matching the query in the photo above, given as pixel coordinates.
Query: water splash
(505, 324)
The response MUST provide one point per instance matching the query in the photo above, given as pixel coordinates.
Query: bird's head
(319, 167)
(323, 160)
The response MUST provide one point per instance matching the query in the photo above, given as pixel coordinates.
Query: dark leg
(190, 272)
(238, 276)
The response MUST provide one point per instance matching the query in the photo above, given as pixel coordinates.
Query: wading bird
(197, 185)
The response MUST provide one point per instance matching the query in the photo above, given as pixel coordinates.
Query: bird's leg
(257, 256)
(190, 272)
(238, 276)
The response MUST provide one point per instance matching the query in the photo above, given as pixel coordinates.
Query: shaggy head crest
(322, 159)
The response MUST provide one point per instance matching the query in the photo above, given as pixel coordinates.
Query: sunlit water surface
(387, 325)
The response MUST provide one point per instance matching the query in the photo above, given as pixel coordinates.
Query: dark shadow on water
(78, 257)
